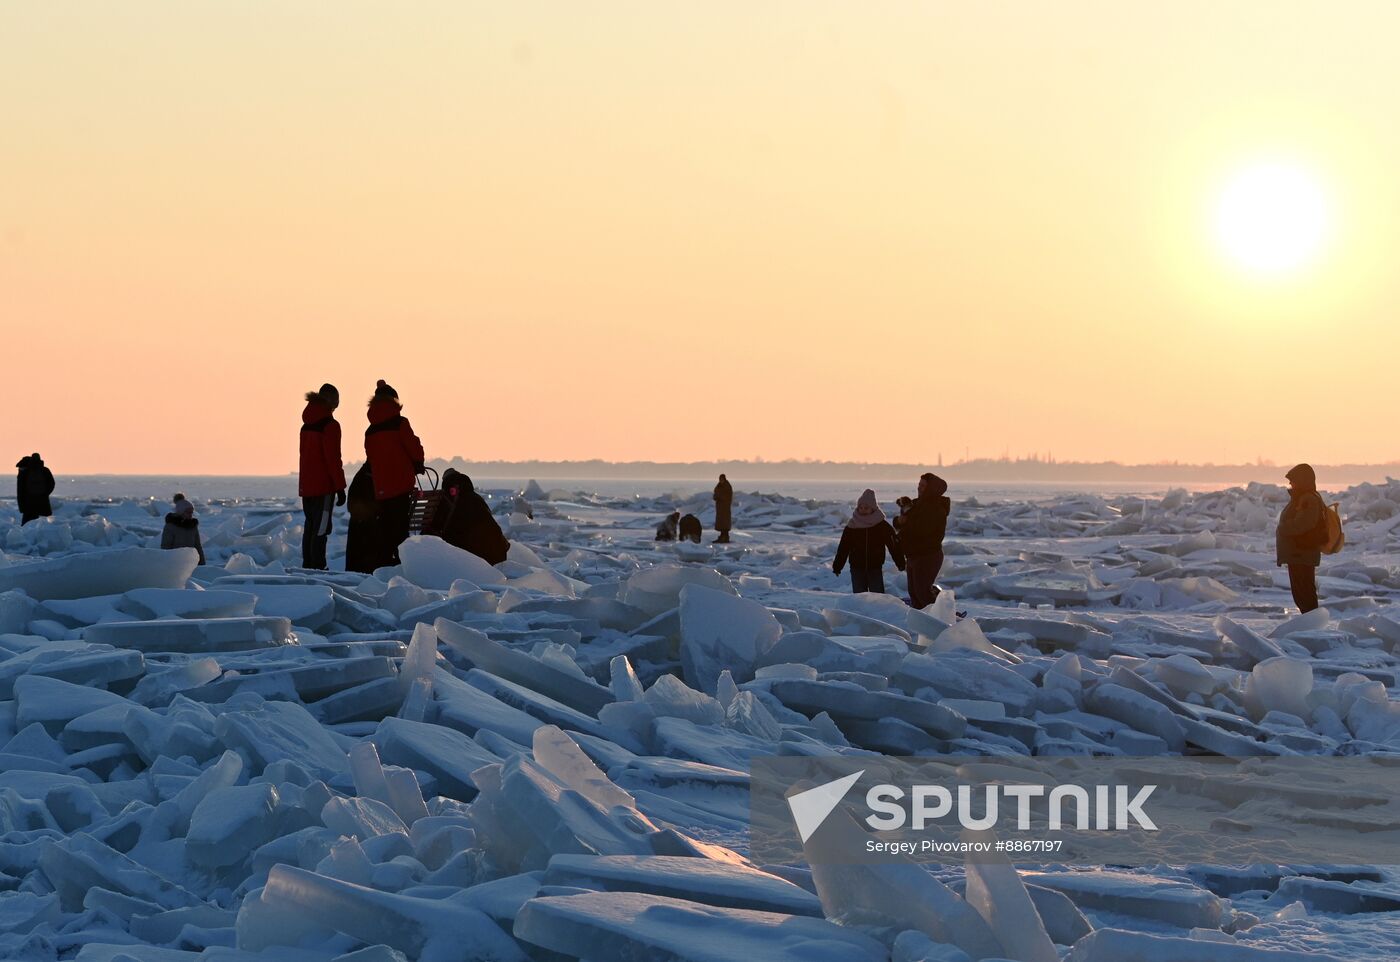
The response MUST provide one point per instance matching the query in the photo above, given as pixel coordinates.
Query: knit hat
(329, 394)
(867, 513)
(183, 506)
(383, 390)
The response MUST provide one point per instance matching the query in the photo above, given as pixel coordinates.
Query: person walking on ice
(321, 479)
(921, 537)
(866, 538)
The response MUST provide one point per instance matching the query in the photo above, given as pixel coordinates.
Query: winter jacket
(689, 528)
(865, 547)
(921, 532)
(395, 454)
(470, 524)
(724, 501)
(1302, 528)
(33, 485)
(361, 536)
(321, 469)
(667, 529)
(182, 532)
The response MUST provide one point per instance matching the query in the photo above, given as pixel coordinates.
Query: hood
(937, 486)
(32, 461)
(1303, 476)
(454, 480)
(180, 521)
(383, 409)
(315, 410)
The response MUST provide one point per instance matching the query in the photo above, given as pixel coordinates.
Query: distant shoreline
(971, 472)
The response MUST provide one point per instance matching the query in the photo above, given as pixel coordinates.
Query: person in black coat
(921, 536)
(470, 524)
(182, 528)
(867, 537)
(667, 529)
(690, 529)
(33, 485)
(724, 505)
(362, 544)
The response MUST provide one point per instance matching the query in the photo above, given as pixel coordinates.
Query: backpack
(1335, 538)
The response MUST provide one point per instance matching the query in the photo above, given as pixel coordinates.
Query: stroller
(431, 507)
(452, 510)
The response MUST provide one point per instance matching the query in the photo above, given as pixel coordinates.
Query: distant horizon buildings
(1034, 467)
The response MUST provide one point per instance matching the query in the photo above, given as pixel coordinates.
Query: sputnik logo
(810, 808)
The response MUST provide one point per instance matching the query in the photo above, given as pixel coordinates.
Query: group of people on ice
(380, 502)
(1307, 528)
(914, 541)
(678, 527)
(380, 498)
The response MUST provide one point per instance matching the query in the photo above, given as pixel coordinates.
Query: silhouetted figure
(724, 503)
(396, 459)
(921, 537)
(1302, 531)
(668, 529)
(182, 527)
(690, 529)
(33, 485)
(868, 535)
(321, 481)
(469, 524)
(362, 533)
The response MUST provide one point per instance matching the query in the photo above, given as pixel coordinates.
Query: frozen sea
(549, 759)
(253, 487)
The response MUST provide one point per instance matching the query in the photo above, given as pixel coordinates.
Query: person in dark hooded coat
(470, 524)
(362, 552)
(921, 537)
(1302, 530)
(33, 485)
(724, 504)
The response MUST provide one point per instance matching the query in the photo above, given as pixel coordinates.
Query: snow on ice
(546, 759)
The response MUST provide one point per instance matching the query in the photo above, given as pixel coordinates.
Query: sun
(1273, 218)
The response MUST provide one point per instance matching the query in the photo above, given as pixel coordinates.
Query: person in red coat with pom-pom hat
(395, 460)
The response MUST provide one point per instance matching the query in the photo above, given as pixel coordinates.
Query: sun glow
(1273, 218)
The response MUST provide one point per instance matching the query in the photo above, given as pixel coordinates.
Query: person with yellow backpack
(1308, 528)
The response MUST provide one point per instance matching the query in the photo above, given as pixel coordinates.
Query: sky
(683, 231)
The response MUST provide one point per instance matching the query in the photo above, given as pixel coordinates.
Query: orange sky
(641, 230)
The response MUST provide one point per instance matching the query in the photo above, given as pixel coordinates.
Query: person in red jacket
(321, 482)
(395, 460)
